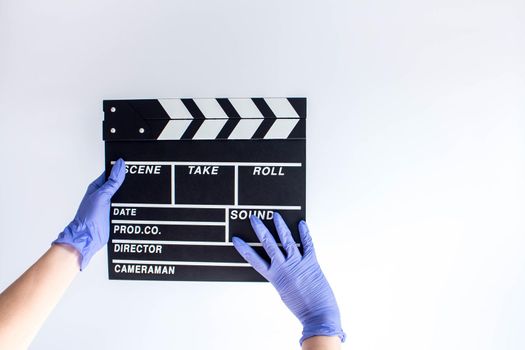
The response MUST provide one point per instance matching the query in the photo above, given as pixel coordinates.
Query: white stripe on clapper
(174, 129)
(209, 129)
(281, 128)
(246, 108)
(210, 108)
(175, 108)
(246, 127)
(281, 107)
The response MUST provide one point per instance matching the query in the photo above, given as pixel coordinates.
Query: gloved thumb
(116, 178)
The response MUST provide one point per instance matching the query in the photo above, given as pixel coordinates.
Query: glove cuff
(323, 330)
(77, 236)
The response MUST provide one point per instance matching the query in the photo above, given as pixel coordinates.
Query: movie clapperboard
(196, 169)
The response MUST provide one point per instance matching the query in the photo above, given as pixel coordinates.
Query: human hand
(297, 278)
(89, 230)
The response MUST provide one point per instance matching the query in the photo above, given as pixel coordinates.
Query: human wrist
(327, 323)
(67, 254)
(76, 235)
(322, 343)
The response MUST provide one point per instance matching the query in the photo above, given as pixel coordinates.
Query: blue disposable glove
(298, 278)
(89, 230)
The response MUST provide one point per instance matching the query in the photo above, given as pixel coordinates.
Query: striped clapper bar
(196, 169)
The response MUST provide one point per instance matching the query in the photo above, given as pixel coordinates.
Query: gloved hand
(89, 230)
(298, 279)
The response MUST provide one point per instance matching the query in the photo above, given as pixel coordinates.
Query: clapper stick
(196, 169)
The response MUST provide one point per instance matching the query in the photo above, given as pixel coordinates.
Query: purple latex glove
(89, 230)
(297, 278)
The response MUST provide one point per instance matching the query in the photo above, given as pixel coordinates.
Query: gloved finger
(250, 255)
(266, 239)
(285, 235)
(116, 178)
(304, 233)
(95, 185)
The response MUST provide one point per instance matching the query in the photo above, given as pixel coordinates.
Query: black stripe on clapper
(233, 120)
(269, 118)
(198, 118)
(299, 132)
(299, 104)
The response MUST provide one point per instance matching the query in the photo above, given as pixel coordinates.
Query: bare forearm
(322, 343)
(26, 303)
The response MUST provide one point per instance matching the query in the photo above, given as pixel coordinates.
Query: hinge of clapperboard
(123, 121)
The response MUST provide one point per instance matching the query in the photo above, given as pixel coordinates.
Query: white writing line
(212, 163)
(176, 223)
(172, 184)
(236, 185)
(227, 228)
(198, 243)
(207, 206)
(187, 263)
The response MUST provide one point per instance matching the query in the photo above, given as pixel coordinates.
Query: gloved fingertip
(117, 171)
(240, 246)
(278, 220)
(255, 220)
(120, 164)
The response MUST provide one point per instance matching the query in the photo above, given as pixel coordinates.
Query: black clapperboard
(196, 169)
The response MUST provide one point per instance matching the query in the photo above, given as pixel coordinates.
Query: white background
(416, 161)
